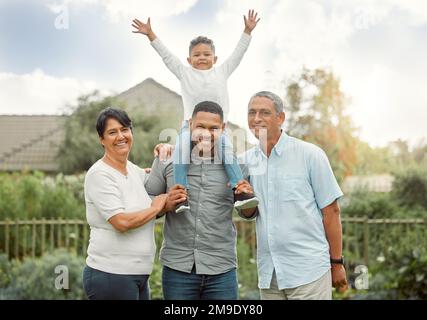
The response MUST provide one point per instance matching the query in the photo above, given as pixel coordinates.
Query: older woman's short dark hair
(111, 113)
(209, 106)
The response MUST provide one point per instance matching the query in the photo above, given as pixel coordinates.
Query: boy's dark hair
(199, 40)
(208, 106)
(108, 113)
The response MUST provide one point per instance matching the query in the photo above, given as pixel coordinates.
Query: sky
(52, 51)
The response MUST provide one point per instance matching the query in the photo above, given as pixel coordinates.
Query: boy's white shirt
(201, 85)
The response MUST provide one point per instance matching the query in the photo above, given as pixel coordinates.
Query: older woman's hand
(159, 201)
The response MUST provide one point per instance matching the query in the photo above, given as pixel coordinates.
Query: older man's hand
(339, 279)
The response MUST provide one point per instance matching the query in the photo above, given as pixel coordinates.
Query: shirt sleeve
(103, 191)
(156, 182)
(325, 186)
(143, 175)
(234, 60)
(170, 60)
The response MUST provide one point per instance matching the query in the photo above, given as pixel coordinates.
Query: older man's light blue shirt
(293, 185)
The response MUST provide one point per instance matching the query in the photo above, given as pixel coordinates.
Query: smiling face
(117, 139)
(262, 117)
(202, 57)
(206, 128)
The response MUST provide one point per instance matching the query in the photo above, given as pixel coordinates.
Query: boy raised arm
(170, 60)
(233, 61)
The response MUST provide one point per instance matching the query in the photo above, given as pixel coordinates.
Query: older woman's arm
(126, 221)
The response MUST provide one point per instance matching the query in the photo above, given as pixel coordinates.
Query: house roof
(30, 142)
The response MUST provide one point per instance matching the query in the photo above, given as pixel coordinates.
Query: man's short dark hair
(199, 40)
(110, 113)
(208, 106)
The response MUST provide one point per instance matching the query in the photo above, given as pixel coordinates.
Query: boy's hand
(251, 21)
(144, 28)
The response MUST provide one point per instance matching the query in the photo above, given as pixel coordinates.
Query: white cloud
(416, 10)
(319, 34)
(120, 10)
(39, 93)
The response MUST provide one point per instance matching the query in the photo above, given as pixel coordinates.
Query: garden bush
(34, 279)
(410, 188)
(370, 204)
(34, 195)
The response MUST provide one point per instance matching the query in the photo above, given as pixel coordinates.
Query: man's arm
(233, 61)
(170, 60)
(126, 221)
(333, 230)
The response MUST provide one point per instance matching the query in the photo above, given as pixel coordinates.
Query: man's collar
(278, 147)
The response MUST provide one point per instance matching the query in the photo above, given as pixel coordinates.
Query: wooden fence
(364, 240)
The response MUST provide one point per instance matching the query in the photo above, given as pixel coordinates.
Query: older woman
(121, 217)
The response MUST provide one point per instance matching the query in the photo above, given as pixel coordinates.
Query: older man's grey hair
(277, 101)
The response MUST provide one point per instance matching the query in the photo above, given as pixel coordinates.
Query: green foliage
(5, 275)
(373, 160)
(408, 276)
(410, 188)
(402, 275)
(81, 147)
(246, 271)
(395, 157)
(33, 195)
(408, 198)
(316, 113)
(155, 280)
(35, 278)
(373, 205)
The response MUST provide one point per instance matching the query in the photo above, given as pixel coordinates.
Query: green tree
(317, 114)
(371, 160)
(81, 147)
(410, 188)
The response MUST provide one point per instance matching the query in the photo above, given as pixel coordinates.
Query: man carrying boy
(199, 246)
(202, 82)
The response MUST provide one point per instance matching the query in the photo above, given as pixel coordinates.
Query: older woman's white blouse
(107, 193)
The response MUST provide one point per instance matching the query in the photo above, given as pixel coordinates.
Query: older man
(298, 228)
(199, 247)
